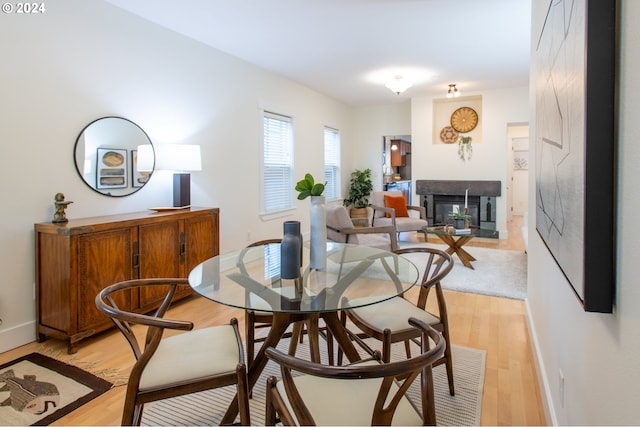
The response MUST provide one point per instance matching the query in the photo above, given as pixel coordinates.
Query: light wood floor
(497, 325)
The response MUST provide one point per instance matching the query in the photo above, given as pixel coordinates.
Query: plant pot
(318, 233)
(359, 217)
(459, 223)
(359, 213)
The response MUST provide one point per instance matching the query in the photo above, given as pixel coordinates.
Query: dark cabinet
(75, 260)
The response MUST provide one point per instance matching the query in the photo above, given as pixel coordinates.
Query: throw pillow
(398, 203)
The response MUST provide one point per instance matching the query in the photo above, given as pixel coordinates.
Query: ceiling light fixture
(453, 91)
(398, 85)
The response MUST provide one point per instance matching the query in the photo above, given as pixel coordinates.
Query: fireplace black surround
(440, 197)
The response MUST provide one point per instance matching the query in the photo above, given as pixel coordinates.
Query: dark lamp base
(181, 189)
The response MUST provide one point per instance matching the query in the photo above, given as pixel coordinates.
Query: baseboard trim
(547, 400)
(17, 336)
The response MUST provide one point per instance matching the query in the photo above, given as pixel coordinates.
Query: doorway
(396, 165)
(517, 169)
(396, 158)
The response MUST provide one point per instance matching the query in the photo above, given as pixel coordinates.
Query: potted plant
(307, 187)
(360, 188)
(460, 219)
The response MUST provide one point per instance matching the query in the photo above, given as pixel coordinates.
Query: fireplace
(443, 205)
(440, 198)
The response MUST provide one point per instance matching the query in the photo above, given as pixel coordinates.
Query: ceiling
(348, 49)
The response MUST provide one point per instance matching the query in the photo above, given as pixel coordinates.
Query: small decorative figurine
(61, 205)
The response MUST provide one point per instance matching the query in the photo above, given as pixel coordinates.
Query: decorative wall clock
(464, 119)
(448, 135)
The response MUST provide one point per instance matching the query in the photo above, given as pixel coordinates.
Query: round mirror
(106, 156)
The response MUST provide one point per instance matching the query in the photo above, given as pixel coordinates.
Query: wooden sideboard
(76, 259)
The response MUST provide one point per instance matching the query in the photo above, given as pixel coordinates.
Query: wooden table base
(455, 246)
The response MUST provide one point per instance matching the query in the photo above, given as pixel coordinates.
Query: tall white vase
(318, 240)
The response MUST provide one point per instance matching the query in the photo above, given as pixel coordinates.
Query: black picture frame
(576, 97)
(111, 168)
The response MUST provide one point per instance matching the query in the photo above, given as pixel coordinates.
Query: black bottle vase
(291, 250)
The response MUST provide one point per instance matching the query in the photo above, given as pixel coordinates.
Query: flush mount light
(398, 84)
(453, 91)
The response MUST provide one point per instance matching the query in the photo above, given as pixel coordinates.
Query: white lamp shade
(178, 157)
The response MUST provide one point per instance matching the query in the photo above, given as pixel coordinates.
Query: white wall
(597, 353)
(489, 159)
(84, 60)
(372, 124)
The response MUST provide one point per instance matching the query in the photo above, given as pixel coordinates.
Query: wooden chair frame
(438, 265)
(144, 350)
(399, 222)
(402, 373)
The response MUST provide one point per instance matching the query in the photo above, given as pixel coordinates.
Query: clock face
(464, 119)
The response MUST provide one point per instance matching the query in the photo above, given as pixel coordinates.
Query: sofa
(405, 217)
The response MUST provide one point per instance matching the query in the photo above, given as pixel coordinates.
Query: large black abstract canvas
(575, 144)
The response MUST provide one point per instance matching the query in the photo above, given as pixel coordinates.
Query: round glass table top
(355, 275)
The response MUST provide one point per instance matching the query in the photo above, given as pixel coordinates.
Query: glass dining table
(249, 279)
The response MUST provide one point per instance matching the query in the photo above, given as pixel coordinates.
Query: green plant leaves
(308, 187)
(360, 187)
(464, 148)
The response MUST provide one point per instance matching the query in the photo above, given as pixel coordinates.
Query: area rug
(208, 407)
(37, 390)
(495, 272)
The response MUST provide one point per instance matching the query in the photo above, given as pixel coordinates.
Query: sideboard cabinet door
(200, 240)
(103, 258)
(159, 257)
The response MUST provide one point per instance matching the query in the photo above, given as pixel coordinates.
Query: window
(271, 262)
(277, 172)
(332, 163)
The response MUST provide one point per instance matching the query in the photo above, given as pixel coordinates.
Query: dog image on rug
(27, 394)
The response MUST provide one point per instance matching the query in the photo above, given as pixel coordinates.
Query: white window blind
(277, 162)
(271, 262)
(332, 163)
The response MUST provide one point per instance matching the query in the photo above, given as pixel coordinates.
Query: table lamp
(180, 158)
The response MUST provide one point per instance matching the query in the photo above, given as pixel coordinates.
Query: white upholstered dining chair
(364, 393)
(187, 362)
(386, 321)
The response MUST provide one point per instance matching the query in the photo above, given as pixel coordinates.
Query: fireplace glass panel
(444, 205)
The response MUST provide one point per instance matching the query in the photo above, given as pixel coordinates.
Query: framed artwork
(520, 160)
(111, 170)
(138, 179)
(575, 145)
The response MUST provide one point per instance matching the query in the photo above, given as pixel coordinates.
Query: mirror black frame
(116, 177)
